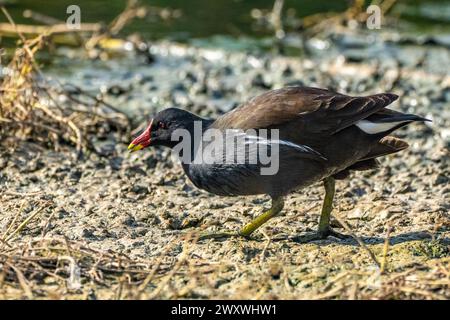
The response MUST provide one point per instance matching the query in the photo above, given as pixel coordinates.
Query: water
(227, 24)
(210, 18)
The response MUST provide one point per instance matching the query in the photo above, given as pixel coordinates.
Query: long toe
(217, 235)
(321, 235)
(307, 238)
(332, 233)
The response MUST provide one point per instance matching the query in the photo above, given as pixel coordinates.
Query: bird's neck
(189, 140)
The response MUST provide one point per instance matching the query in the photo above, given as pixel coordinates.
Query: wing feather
(315, 110)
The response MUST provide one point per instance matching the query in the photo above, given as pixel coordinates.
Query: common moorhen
(322, 135)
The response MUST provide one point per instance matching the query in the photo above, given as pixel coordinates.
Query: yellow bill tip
(133, 147)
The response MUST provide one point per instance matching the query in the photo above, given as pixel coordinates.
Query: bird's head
(159, 131)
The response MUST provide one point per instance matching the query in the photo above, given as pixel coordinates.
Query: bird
(321, 135)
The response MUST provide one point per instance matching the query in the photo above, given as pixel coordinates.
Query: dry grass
(31, 108)
(58, 268)
(52, 113)
(49, 267)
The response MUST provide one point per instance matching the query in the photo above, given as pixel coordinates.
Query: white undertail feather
(377, 127)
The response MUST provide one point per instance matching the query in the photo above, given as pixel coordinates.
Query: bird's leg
(327, 207)
(248, 229)
(324, 222)
(277, 206)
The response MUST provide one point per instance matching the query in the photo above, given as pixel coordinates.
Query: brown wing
(316, 110)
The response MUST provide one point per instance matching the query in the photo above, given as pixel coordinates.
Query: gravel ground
(141, 205)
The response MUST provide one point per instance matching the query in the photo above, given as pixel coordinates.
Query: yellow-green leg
(327, 207)
(324, 223)
(248, 229)
(277, 206)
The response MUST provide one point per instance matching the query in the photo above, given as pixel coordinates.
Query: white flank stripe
(260, 140)
(373, 127)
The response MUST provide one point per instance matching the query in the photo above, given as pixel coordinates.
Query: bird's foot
(321, 235)
(330, 232)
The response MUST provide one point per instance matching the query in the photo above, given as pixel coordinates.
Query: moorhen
(321, 135)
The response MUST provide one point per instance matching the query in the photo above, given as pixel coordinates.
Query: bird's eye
(162, 125)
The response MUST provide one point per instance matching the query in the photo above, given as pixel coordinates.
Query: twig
(11, 225)
(70, 123)
(167, 278)
(22, 281)
(358, 239)
(25, 222)
(131, 11)
(275, 18)
(47, 224)
(5, 243)
(7, 29)
(39, 17)
(23, 194)
(263, 252)
(385, 250)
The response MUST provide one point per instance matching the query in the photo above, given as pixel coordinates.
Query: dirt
(141, 207)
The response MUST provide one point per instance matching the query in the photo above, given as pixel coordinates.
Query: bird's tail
(380, 125)
(385, 146)
(386, 121)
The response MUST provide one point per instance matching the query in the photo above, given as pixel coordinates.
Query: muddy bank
(142, 206)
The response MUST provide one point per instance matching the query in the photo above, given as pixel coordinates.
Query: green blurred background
(206, 18)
